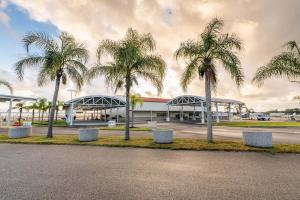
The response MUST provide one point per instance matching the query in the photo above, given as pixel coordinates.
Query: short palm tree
(49, 105)
(286, 64)
(58, 105)
(20, 107)
(33, 107)
(135, 99)
(131, 58)
(8, 85)
(204, 55)
(41, 103)
(61, 58)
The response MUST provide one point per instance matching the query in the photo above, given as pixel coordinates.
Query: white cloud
(173, 21)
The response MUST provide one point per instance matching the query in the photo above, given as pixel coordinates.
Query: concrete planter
(258, 139)
(162, 136)
(152, 124)
(87, 135)
(19, 132)
(112, 123)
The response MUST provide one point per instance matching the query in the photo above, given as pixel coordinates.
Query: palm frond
(8, 85)
(189, 74)
(41, 40)
(30, 61)
(283, 65)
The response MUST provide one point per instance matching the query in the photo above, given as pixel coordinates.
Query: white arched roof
(190, 100)
(96, 102)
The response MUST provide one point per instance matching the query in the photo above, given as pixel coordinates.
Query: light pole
(72, 107)
(71, 91)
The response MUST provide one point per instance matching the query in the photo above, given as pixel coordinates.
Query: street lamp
(71, 91)
(72, 106)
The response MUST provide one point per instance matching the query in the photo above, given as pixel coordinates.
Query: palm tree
(20, 107)
(203, 56)
(41, 103)
(61, 58)
(44, 109)
(286, 64)
(134, 100)
(132, 58)
(48, 106)
(7, 84)
(58, 105)
(32, 107)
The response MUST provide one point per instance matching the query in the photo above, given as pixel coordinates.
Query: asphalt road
(83, 172)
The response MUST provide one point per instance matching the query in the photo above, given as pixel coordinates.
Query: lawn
(259, 124)
(58, 123)
(146, 142)
(122, 128)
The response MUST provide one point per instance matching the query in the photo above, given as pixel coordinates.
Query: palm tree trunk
(208, 107)
(132, 118)
(53, 107)
(42, 115)
(20, 116)
(39, 115)
(32, 120)
(56, 115)
(127, 137)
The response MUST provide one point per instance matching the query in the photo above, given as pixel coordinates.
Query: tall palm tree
(61, 58)
(204, 55)
(58, 105)
(131, 58)
(135, 99)
(8, 85)
(286, 64)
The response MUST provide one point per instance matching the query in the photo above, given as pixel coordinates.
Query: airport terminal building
(102, 108)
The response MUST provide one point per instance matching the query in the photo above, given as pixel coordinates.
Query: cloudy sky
(264, 26)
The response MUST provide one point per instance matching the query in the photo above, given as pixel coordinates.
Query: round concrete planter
(87, 135)
(162, 136)
(152, 124)
(19, 132)
(257, 139)
(111, 123)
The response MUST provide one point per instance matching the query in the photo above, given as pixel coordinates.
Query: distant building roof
(156, 100)
(4, 98)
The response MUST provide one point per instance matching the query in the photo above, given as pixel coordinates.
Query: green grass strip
(146, 142)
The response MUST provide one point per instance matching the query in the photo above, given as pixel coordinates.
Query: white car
(263, 118)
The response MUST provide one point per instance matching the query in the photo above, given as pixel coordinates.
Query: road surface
(85, 172)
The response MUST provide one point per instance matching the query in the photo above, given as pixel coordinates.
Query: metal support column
(217, 113)
(168, 114)
(202, 113)
(9, 112)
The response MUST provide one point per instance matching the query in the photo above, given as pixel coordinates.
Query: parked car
(263, 118)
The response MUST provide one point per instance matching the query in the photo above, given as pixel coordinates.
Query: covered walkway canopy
(190, 100)
(11, 99)
(94, 102)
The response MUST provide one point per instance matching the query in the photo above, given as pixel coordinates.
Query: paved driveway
(82, 172)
